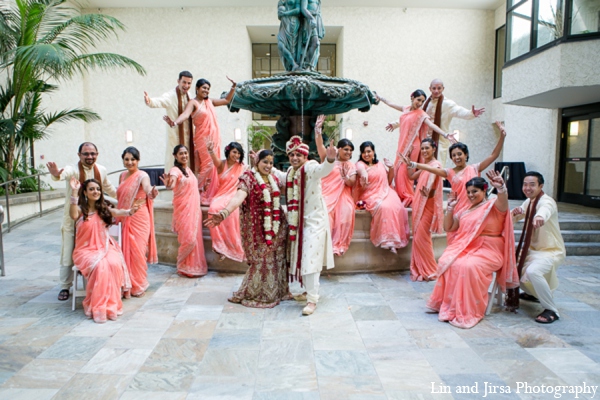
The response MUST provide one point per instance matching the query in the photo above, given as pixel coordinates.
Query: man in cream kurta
(547, 248)
(170, 102)
(317, 249)
(449, 110)
(88, 154)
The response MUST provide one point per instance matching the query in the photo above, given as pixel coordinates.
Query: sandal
(549, 316)
(528, 297)
(63, 295)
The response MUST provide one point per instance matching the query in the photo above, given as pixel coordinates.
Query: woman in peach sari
(414, 127)
(389, 224)
(96, 254)
(484, 244)
(187, 215)
(427, 214)
(463, 172)
(203, 114)
(337, 191)
(226, 238)
(137, 232)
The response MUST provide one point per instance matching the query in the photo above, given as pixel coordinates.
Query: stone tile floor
(370, 338)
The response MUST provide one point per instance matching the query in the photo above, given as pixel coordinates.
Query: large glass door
(580, 157)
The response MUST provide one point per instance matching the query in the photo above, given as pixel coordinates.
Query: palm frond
(102, 61)
(79, 114)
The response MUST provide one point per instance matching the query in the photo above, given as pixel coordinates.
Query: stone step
(582, 236)
(582, 249)
(571, 225)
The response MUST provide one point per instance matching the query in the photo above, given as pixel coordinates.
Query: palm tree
(43, 41)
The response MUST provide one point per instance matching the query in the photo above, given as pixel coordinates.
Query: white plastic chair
(496, 293)
(115, 232)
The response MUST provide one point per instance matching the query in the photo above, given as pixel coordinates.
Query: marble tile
(286, 395)
(74, 348)
(237, 308)
(178, 350)
(416, 395)
(225, 362)
(181, 329)
(567, 360)
(363, 385)
(365, 299)
(96, 386)
(287, 377)
(411, 373)
(11, 326)
(332, 322)
(469, 386)
(456, 361)
(344, 340)
(285, 350)
(498, 348)
(116, 361)
(370, 313)
(414, 320)
(202, 313)
(136, 338)
(244, 339)
(27, 394)
(164, 305)
(91, 329)
(44, 374)
(222, 388)
(37, 336)
(285, 312)
(433, 339)
(532, 372)
(298, 328)
(240, 321)
(141, 395)
(343, 363)
(208, 298)
(165, 377)
(534, 337)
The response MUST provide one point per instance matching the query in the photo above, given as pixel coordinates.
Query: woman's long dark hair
(363, 146)
(238, 147)
(479, 183)
(102, 206)
(177, 163)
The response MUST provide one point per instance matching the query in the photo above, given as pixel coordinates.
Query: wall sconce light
(457, 135)
(237, 134)
(349, 133)
(129, 136)
(574, 128)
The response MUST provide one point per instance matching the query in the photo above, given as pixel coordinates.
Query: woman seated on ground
(96, 254)
(337, 191)
(463, 172)
(264, 235)
(484, 244)
(187, 215)
(139, 242)
(226, 239)
(389, 223)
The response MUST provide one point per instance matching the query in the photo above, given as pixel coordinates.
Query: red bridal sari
(340, 206)
(137, 231)
(484, 244)
(187, 223)
(101, 262)
(226, 239)
(266, 281)
(428, 218)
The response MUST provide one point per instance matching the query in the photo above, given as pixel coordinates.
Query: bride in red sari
(264, 235)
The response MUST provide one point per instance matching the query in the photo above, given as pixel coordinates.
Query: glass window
(574, 176)
(500, 53)
(593, 182)
(585, 17)
(577, 139)
(520, 30)
(549, 21)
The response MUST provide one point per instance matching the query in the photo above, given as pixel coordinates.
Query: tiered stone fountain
(298, 97)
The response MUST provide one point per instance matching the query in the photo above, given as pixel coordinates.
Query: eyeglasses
(89, 154)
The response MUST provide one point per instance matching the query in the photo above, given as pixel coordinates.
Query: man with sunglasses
(85, 169)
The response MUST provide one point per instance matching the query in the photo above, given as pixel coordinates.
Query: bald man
(449, 110)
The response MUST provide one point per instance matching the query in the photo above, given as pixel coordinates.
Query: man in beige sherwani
(310, 245)
(546, 249)
(174, 101)
(449, 110)
(84, 170)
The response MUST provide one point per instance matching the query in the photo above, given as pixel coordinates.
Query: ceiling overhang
(561, 97)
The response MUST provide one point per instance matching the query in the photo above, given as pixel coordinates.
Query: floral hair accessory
(295, 144)
(361, 205)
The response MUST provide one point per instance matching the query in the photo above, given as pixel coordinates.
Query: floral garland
(270, 225)
(293, 197)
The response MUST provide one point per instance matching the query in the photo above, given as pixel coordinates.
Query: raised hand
(345, 167)
(538, 222)
(169, 121)
(517, 211)
(253, 156)
(210, 145)
(477, 111)
(389, 127)
(53, 169)
(425, 191)
(404, 159)
(75, 185)
(233, 83)
(363, 177)
(501, 128)
(331, 152)
(388, 163)
(452, 200)
(153, 193)
(166, 180)
(451, 137)
(146, 98)
(495, 179)
(319, 124)
(213, 220)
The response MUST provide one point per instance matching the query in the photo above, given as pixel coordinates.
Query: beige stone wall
(392, 50)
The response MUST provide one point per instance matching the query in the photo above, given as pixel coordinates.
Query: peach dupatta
(101, 262)
(428, 218)
(389, 223)
(340, 206)
(226, 237)
(187, 223)
(484, 244)
(412, 131)
(458, 181)
(207, 127)
(137, 231)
